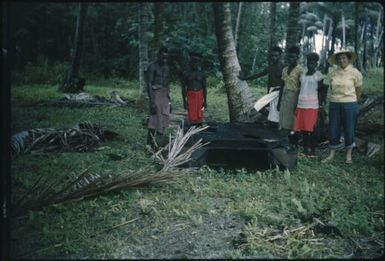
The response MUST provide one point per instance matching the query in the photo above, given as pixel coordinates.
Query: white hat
(333, 59)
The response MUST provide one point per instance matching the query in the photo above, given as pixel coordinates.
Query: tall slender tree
(237, 24)
(293, 27)
(365, 41)
(143, 48)
(240, 98)
(343, 29)
(272, 34)
(158, 26)
(356, 26)
(377, 38)
(72, 82)
(333, 36)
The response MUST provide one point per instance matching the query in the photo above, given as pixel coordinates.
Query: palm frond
(86, 184)
(84, 136)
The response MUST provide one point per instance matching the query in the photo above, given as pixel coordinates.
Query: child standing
(306, 112)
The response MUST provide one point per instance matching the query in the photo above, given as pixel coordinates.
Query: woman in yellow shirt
(345, 90)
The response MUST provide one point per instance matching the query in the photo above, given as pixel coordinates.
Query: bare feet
(328, 159)
(349, 156)
(349, 161)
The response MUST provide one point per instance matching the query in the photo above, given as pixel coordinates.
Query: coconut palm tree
(72, 83)
(273, 14)
(332, 13)
(240, 98)
(293, 26)
(143, 48)
(310, 23)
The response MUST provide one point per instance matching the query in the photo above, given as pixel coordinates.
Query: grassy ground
(206, 214)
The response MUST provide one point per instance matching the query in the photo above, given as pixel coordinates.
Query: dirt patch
(175, 239)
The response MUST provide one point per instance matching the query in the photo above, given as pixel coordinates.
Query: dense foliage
(42, 37)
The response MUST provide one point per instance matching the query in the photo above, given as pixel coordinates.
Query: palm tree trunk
(325, 42)
(78, 41)
(254, 61)
(293, 27)
(356, 44)
(313, 43)
(364, 55)
(333, 38)
(158, 26)
(70, 84)
(323, 31)
(371, 56)
(143, 49)
(273, 12)
(238, 23)
(378, 27)
(303, 46)
(343, 29)
(378, 47)
(378, 38)
(240, 98)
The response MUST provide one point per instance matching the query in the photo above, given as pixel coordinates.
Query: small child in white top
(306, 113)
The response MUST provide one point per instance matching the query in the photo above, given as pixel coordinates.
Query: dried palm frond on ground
(174, 148)
(83, 137)
(86, 99)
(85, 185)
(320, 234)
(370, 103)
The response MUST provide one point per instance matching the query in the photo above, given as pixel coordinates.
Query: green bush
(214, 82)
(41, 73)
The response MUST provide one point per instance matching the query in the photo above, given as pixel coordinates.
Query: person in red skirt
(308, 104)
(194, 93)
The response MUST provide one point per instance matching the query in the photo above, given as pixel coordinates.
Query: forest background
(43, 35)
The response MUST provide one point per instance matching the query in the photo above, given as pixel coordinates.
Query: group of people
(296, 95)
(194, 94)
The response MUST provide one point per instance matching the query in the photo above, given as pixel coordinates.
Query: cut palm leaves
(85, 185)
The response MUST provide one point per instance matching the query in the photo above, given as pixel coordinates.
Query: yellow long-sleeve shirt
(343, 84)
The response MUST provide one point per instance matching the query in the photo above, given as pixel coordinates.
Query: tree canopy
(44, 33)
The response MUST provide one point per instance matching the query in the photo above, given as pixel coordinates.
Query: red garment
(305, 119)
(194, 106)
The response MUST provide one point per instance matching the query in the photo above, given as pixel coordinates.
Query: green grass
(372, 85)
(203, 212)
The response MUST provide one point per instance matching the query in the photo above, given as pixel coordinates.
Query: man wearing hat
(194, 92)
(345, 90)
